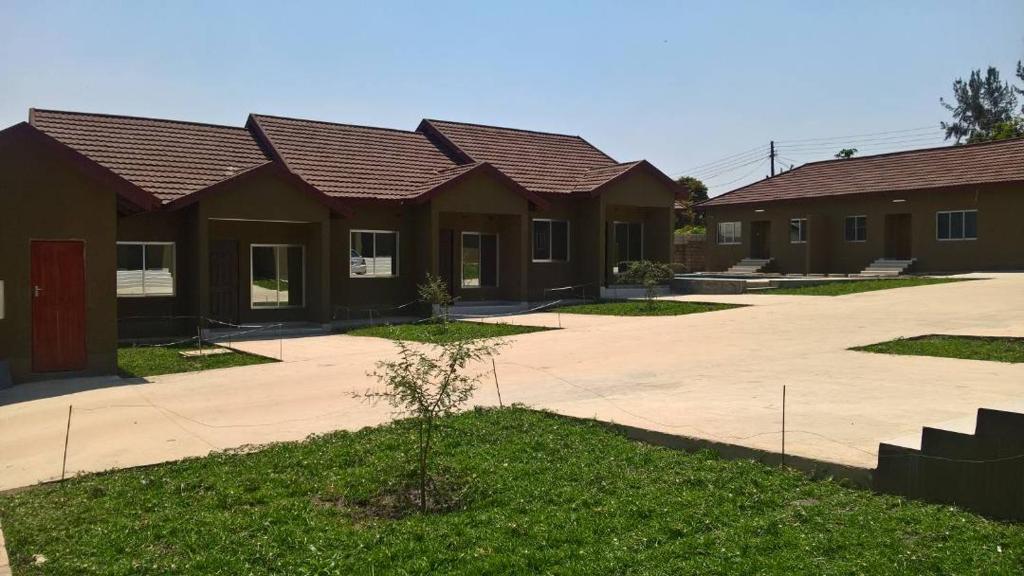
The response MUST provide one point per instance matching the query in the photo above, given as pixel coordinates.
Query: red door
(58, 305)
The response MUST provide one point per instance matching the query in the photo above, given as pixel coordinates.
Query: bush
(648, 274)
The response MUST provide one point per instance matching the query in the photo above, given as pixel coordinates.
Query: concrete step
(887, 267)
(749, 266)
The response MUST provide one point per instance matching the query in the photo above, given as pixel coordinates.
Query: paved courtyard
(717, 376)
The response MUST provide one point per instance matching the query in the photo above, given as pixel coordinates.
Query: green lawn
(843, 287)
(153, 360)
(644, 308)
(542, 495)
(436, 332)
(996, 349)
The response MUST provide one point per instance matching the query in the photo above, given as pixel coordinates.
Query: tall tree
(698, 191)
(985, 108)
(846, 153)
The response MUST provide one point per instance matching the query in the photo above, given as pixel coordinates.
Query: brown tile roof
(349, 161)
(948, 166)
(166, 158)
(540, 161)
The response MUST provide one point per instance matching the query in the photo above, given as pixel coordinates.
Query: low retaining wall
(983, 472)
(708, 286)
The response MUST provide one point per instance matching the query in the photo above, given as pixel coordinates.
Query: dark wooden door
(58, 305)
(446, 258)
(224, 280)
(760, 239)
(898, 236)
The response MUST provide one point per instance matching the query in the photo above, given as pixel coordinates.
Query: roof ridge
(329, 123)
(914, 151)
(32, 111)
(509, 128)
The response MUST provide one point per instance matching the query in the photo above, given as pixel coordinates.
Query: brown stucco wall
(267, 209)
(641, 197)
(998, 247)
(46, 198)
(351, 296)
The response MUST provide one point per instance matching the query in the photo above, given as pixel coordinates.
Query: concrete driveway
(717, 376)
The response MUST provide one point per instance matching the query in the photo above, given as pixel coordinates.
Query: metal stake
(494, 368)
(67, 436)
(783, 424)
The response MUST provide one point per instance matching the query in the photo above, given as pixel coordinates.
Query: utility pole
(771, 155)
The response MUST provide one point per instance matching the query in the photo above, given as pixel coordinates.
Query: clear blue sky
(680, 84)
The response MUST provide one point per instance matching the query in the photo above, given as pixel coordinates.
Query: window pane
(129, 270)
(943, 226)
(795, 227)
(264, 277)
(621, 237)
(956, 225)
(970, 224)
(541, 240)
(361, 256)
(292, 276)
(636, 242)
(861, 234)
(470, 260)
(488, 259)
(385, 254)
(159, 275)
(560, 241)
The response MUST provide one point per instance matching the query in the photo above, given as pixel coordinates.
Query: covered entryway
(760, 239)
(58, 305)
(224, 280)
(898, 236)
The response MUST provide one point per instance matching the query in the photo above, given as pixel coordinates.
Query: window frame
(551, 241)
(802, 230)
(628, 223)
(855, 239)
(396, 267)
(174, 268)
(462, 259)
(302, 247)
(963, 225)
(737, 233)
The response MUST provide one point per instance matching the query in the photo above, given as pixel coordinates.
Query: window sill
(956, 239)
(370, 277)
(133, 296)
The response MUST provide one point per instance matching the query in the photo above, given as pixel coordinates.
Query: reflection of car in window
(358, 263)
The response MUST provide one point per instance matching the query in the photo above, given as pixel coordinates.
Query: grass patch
(436, 332)
(992, 348)
(843, 287)
(141, 361)
(540, 494)
(644, 308)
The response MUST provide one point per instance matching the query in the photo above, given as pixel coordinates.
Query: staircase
(750, 266)
(982, 471)
(888, 267)
(476, 309)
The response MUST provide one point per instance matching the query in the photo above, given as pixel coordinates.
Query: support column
(326, 300)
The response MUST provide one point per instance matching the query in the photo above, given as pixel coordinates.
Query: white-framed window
(730, 232)
(479, 260)
(277, 276)
(145, 269)
(373, 254)
(550, 240)
(956, 225)
(855, 228)
(798, 230)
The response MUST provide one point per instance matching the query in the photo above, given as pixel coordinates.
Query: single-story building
(115, 227)
(949, 209)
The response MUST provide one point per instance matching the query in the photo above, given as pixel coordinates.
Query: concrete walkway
(717, 376)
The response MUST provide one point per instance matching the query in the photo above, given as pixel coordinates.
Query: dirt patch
(400, 500)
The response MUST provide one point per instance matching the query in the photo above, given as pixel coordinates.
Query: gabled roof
(541, 161)
(166, 158)
(948, 166)
(354, 161)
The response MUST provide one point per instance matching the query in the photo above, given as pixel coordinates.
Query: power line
(861, 135)
(733, 168)
(747, 175)
(724, 159)
(919, 138)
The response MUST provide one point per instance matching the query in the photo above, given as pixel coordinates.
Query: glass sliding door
(479, 260)
(628, 243)
(278, 276)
